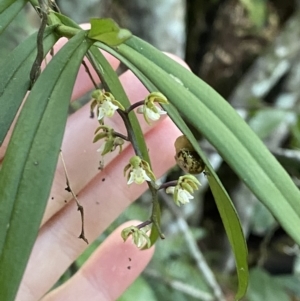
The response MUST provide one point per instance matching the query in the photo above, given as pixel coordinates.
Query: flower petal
(138, 175)
(170, 189)
(152, 115)
(184, 196)
(160, 111)
(101, 113)
(109, 108)
(101, 148)
(131, 178)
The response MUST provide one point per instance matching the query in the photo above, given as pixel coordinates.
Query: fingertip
(108, 272)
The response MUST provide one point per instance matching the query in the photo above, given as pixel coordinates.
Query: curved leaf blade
(225, 206)
(5, 4)
(14, 82)
(223, 127)
(233, 138)
(8, 11)
(31, 160)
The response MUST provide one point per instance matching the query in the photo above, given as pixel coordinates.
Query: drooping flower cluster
(138, 170)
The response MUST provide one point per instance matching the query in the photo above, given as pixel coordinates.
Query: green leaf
(108, 32)
(225, 129)
(290, 282)
(263, 286)
(208, 112)
(8, 11)
(30, 161)
(226, 208)
(66, 20)
(5, 4)
(14, 82)
(295, 133)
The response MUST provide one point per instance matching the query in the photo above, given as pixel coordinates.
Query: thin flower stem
(55, 6)
(121, 136)
(79, 206)
(98, 70)
(135, 105)
(87, 70)
(130, 132)
(152, 187)
(167, 184)
(144, 224)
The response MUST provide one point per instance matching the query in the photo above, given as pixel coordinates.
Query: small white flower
(140, 242)
(138, 171)
(139, 236)
(138, 175)
(183, 197)
(153, 113)
(107, 108)
(141, 239)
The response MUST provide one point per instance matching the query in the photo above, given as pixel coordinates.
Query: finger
(107, 273)
(104, 198)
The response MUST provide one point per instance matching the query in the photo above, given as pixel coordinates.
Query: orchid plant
(172, 89)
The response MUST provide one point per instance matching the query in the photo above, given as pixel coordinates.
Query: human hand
(104, 195)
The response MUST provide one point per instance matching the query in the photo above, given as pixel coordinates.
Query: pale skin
(104, 195)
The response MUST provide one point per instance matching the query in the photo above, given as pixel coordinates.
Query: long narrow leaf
(225, 206)
(8, 11)
(14, 82)
(31, 159)
(221, 125)
(232, 137)
(5, 4)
